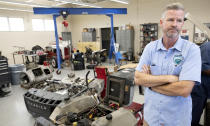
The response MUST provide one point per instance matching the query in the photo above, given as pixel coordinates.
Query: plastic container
(15, 71)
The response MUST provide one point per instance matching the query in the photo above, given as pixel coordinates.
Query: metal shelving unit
(148, 33)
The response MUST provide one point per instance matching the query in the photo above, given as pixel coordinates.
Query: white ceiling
(27, 5)
(50, 3)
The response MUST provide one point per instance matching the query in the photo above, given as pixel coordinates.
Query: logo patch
(177, 59)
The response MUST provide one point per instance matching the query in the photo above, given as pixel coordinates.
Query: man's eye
(170, 20)
(179, 20)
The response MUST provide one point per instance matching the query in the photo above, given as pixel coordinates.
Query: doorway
(106, 36)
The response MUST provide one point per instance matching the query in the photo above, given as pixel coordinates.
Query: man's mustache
(173, 29)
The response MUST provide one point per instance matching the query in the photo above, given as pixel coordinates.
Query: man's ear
(161, 22)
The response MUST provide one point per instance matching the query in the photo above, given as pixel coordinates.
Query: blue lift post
(112, 41)
(81, 11)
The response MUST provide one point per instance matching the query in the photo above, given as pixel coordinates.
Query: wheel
(54, 63)
(58, 72)
(103, 58)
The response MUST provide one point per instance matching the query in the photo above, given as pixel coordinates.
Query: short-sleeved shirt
(205, 56)
(183, 60)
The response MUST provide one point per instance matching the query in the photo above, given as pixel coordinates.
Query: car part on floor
(34, 78)
(41, 103)
(85, 110)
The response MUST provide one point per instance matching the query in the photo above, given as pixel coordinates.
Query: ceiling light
(62, 3)
(77, 3)
(12, 9)
(22, 3)
(28, 1)
(121, 1)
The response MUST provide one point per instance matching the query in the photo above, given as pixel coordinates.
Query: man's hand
(145, 78)
(146, 69)
(180, 88)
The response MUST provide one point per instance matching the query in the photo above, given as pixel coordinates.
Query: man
(201, 92)
(169, 68)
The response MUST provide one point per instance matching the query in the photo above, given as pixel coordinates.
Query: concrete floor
(13, 109)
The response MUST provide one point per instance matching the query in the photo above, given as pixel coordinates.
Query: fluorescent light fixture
(22, 3)
(76, 3)
(86, 4)
(121, 1)
(12, 9)
(62, 3)
(28, 1)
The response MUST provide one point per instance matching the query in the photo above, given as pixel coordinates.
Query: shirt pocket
(177, 70)
(155, 70)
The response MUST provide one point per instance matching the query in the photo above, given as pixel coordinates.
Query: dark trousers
(199, 96)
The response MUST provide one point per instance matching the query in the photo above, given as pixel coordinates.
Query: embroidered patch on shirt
(177, 59)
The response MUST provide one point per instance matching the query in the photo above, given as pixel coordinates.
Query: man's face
(172, 23)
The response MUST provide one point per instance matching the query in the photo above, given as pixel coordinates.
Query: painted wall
(139, 12)
(27, 38)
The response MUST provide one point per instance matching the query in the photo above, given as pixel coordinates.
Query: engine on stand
(35, 77)
(42, 102)
(115, 109)
(95, 57)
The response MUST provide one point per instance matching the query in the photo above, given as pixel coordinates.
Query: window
(11, 24)
(4, 26)
(42, 25)
(37, 24)
(16, 24)
(49, 25)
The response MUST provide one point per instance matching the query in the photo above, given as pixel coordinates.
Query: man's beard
(172, 34)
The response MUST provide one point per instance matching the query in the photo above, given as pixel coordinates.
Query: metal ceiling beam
(80, 11)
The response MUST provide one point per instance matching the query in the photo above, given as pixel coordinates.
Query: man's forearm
(149, 80)
(181, 88)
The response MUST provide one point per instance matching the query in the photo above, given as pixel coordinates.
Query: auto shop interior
(73, 62)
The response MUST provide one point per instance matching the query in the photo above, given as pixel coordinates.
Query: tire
(54, 63)
(103, 58)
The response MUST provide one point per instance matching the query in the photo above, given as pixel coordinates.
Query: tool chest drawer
(4, 72)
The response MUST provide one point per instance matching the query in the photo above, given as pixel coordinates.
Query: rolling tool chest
(4, 72)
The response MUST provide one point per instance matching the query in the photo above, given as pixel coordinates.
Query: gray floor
(14, 112)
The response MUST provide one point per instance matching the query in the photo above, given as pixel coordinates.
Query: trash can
(15, 71)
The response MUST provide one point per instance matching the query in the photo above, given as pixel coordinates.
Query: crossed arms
(164, 84)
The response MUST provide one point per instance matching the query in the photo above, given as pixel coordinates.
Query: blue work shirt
(205, 56)
(183, 60)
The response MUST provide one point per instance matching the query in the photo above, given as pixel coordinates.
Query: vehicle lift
(56, 12)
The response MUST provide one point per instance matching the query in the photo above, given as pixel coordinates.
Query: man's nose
(174, 23)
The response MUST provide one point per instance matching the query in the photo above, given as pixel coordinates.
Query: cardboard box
(131, 65)
(111, 69)
(95, 46)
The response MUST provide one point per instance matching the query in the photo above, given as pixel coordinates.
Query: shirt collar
(177, 46)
